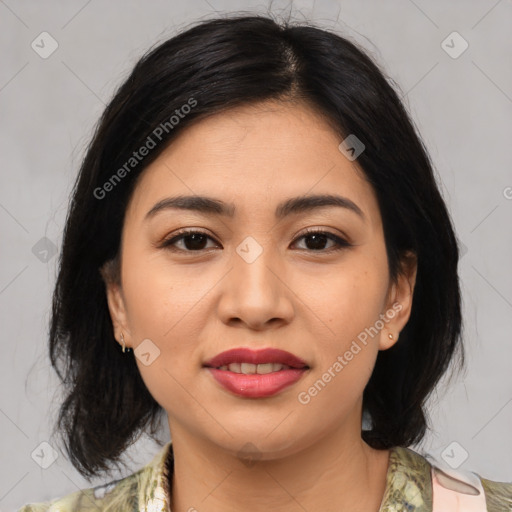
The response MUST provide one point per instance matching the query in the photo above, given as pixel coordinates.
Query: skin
(311, 302)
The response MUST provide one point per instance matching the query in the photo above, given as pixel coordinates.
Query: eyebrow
(294, 205)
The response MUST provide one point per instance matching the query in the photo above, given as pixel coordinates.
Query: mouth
(263, 361)
(252, 369)
(256, 373)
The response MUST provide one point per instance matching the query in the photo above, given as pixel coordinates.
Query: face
(257, 278)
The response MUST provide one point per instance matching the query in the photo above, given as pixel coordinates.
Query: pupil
(198, 241)
(318, 241)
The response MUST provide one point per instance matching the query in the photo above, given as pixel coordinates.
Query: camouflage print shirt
(408, 489)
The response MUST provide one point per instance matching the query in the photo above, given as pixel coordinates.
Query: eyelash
(341, 243)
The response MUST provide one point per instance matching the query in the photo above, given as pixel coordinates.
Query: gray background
(462, 106)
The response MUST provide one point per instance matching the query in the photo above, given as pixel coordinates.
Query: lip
(256, 385)
(261, 356)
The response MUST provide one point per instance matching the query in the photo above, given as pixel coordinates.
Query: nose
(254, 293)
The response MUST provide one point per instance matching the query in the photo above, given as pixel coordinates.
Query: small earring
(390, 336)
(122, 340)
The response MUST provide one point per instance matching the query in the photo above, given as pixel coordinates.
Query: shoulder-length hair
(213, 66)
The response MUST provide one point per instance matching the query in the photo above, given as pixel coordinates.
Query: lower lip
(256, 386)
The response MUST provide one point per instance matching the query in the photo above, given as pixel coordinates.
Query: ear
(117, 307)
(399, 301)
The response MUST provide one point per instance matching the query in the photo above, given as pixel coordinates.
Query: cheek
(336, 390)
(158, 297)
(164, 306)
(351, 302)
(346, 356)
(353, 297)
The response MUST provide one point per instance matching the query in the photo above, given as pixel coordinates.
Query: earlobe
(389, 342)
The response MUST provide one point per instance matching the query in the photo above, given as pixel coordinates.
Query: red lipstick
(256, 373)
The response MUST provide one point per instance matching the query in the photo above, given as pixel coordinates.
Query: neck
(338, 472)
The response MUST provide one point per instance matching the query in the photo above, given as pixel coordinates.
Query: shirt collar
(153, 496)
(408, 482)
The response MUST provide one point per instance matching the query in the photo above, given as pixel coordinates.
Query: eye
(195, 241)
(318, 238)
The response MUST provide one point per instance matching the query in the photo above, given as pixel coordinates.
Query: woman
(257, 220)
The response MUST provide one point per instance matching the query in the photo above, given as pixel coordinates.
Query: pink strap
(457, 491)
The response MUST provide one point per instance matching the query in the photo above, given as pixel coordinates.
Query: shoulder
(408, 484)
(144, 489)
(422, 469)
(498, 495)
(122, 492)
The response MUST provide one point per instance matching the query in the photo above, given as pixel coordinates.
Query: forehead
(255, 156)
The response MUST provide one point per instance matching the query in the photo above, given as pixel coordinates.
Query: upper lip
(261, 356)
